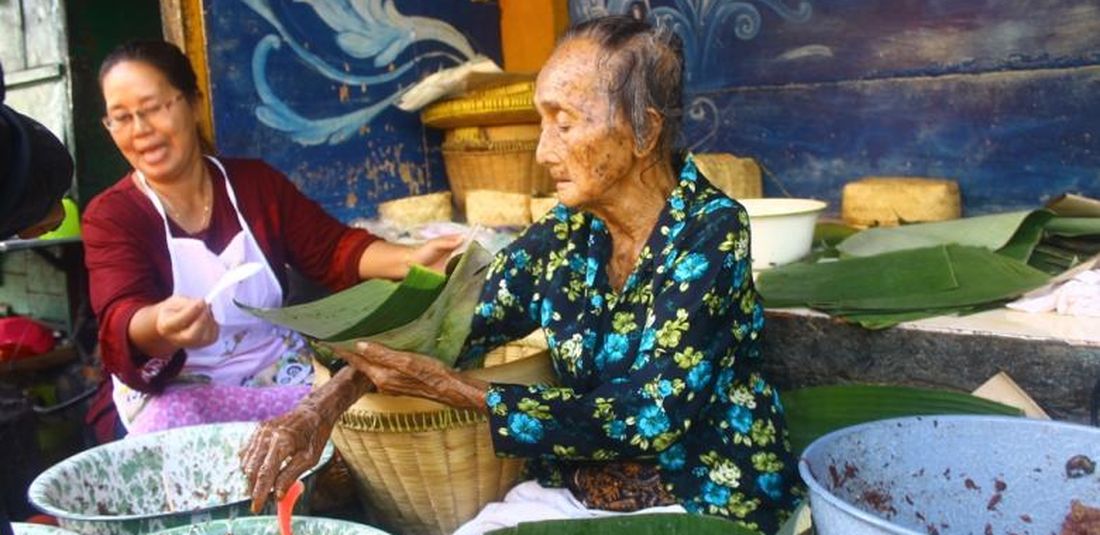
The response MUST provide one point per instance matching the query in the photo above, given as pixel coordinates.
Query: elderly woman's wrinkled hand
(295, 439)
(409, 374)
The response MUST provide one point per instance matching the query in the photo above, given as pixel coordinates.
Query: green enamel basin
(268, 525)
(153, 482)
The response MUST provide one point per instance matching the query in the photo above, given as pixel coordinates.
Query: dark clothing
(666, 370)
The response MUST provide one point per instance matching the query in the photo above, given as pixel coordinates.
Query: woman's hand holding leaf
(435, 253)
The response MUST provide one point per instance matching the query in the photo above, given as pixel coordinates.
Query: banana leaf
(815, 411)
(367, 308)
(832, 232)
(890, 274)
(642, 524)
(982, 276)
(1027, 237)
(883, 290)
(1018, 230)
(1074, 226)
(441, 330)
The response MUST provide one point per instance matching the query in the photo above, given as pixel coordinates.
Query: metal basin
(153, 482)
(269, 525)
(950, 475)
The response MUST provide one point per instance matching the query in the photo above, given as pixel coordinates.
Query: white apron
(249, 352)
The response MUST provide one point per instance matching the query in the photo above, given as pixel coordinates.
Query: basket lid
(511, 103)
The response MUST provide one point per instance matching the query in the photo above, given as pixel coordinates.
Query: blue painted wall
(308, 86)
(1002, 96)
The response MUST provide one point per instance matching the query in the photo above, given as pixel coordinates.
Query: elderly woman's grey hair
(644, 65)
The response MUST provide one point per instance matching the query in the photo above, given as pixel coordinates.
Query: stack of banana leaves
(880, 277)
(426, 313)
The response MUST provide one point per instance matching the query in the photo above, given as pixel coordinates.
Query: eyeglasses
(123, 120)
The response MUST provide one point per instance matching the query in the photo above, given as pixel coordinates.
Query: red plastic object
(45, 520)
(22, 337)
(286, 506)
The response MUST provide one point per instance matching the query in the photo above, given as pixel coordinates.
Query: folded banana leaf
(1019, 231)
(890, 274)
(981, 276)
(883, 290)
(642, 524)
(816, 411)
(1074, 226)
(441, 330)
(367, 308)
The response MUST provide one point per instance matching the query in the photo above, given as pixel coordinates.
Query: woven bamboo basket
(490, 142)
(424, 468)
(498, 158)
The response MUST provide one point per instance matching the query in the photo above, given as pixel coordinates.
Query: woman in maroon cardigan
(159, 240)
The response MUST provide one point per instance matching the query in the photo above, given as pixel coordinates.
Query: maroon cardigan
(129, 267)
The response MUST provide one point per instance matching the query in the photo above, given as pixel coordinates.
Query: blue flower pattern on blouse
(664, 370)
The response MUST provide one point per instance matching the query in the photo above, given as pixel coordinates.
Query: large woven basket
(498, 158)
(491, 140)
(422, 467)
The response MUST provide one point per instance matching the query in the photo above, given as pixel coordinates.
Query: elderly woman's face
(587, 149)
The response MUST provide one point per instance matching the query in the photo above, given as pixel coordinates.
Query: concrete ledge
(1056, 359)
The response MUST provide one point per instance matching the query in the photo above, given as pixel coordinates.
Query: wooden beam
(529, 30)
(185, 27)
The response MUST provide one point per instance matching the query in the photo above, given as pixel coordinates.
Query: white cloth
(531, 502)
(444, 83)
(246, 345)
(1079, 296)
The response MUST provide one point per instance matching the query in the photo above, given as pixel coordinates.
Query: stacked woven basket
(489, 152)
(423, 467)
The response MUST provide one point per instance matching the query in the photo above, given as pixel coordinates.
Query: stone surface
(808, 349)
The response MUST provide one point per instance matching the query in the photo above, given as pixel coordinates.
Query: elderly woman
(640, 280)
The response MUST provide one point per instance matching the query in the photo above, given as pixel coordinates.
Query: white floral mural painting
(372, 33)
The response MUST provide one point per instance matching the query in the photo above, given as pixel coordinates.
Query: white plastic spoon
(232, 277)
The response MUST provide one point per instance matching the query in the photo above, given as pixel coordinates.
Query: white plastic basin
(782, 229)
(950, 475)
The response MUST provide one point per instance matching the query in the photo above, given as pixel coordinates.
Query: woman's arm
(384, 260)
(326, 250)
(126, 260)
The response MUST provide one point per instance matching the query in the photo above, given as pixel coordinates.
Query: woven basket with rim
(490, 142)
(423, 467)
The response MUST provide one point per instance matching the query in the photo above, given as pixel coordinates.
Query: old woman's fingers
(257, 450)
(248, 454)
(296, 467)
(268, 470)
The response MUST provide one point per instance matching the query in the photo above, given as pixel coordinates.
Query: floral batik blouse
(665, 370)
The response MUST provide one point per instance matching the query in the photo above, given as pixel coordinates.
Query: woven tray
(508, 104)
